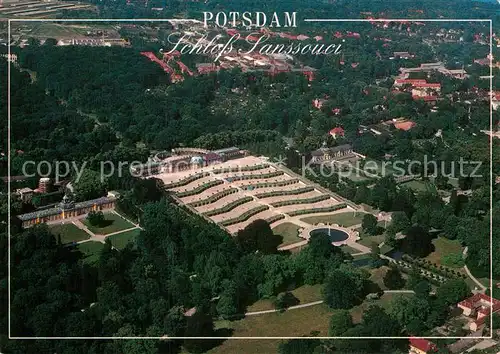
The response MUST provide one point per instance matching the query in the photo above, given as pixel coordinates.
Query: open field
(348, 249)
(289, 232)
(90, 250)
(69, 233)
(296, 323)
(444, 247)
(419, 186)
(121, 240)
(368, 241)
(113, 223)
(343, 219)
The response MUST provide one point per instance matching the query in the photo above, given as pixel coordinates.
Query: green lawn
(349, 250)
(377, 276)
(342, 219)
(113, 223)
(91, 251)
(69, 233)
(289, 232)
(368, 241)
(292, 323)
(419, 186)
(443, 248)
(121, 240)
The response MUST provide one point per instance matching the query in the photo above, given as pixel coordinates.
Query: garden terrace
(296, 198)
(193, 184)
(284, 192)
(315, 199)
(330, 202)
(264, 214)
(245, 216)
(318, 210)
(245, 183)
(222, 202)
(228, 207)
(240, 169)
(186, 181)
(275, 218)
(206, 194)
(255, 176)
(213, 198)
(236, 175)
(199, 189)
(238, 210)
(271, 184)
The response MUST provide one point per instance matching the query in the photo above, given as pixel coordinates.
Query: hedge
(261, 176)
(319, 198)
(228, 207)
(199, 189)
(273, 184)
(186, 180)
(237, 169)
(275, 218)
(318, 210)
(213, 198)
(245, 216)
(280, 193)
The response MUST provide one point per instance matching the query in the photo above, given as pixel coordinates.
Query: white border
(248, 338)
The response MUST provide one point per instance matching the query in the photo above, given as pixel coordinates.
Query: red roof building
(407, 125)
(421, 346)
(337, 132)
(479, 307)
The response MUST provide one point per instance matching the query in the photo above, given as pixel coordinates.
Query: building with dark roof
(330, 154)
(66, 209)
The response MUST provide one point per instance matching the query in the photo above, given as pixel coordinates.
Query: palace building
(329, 154)
(66, 209)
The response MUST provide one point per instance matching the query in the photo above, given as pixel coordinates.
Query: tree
(399, 222)
(341, 290)
(199, 325)
(417, 243)
(258, 236)
(393, 279)
(369, 224)
(340, 322)
(95, 218)
(298, 346)
(285, 300)
(88, 185)
(50, 42)
(422, 289)
(228, 305)
(411, 313)
(452, 291)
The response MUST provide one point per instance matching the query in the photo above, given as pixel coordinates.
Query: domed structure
(67, 203)
(196, 160)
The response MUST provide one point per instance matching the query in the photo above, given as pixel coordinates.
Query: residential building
(478, 308)
(337, 132)
(26, 194)
(421, 346)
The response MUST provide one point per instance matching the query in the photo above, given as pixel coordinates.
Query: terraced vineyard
(234, 196)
